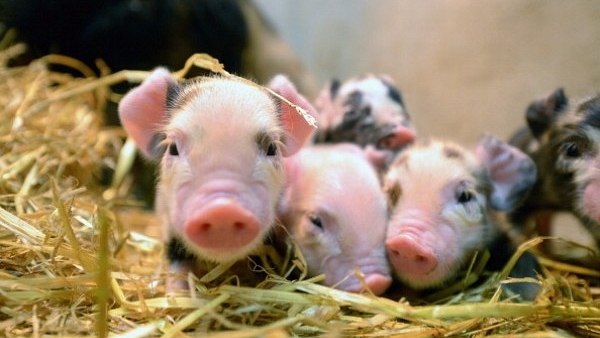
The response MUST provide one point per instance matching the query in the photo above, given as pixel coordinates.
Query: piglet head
(221, 143)
(337, 220)
(444, 199)
(367, 110)
(567, 154)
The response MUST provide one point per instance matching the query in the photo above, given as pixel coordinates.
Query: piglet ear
(143, 110)
(512, 172)
(541, 113)
(324, 103)
(297, 128)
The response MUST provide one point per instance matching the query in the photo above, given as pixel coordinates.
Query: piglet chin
(222, 226)
(591, 200)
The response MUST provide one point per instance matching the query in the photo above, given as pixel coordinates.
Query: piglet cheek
(591, 200)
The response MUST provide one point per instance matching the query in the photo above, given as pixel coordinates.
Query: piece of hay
(79, 258)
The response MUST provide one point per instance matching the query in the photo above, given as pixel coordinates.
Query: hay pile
(79, 258)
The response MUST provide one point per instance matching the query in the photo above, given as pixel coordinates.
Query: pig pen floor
(80, 259)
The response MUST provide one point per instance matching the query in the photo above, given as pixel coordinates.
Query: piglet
(447, 203)
(367, 110)
(220, 142)
(564, 142)
(335, 211)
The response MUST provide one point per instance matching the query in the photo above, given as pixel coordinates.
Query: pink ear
(325, 107)
(296, 127)
(511, 172)
(142, 111)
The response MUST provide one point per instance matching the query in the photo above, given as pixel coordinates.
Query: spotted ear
(143, 110)
(297, 128)
(511, 172)
(542, 113)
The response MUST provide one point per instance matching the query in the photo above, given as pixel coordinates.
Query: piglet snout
(398, 138)
(222, 224)
(378, 283)
(409, 256)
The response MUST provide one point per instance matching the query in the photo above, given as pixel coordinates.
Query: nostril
(204, 227)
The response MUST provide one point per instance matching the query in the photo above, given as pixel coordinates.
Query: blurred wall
(465, 67)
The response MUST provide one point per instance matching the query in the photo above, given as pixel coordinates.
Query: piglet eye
(266, 144)
(316, 221)
(173, 149)
(464, 197)
(571, 150)
(271, 149)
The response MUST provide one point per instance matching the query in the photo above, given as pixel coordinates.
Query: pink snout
(410, 257)
(399, 137)
(222, 224)
(376, 282)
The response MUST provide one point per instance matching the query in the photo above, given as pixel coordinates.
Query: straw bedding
(80, 257)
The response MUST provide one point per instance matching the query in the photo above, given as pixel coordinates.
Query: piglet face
(366, 110)
(222, 178)
(573, 143)
(444, 199)
(221, 157)
(335, 211)
(438, 213)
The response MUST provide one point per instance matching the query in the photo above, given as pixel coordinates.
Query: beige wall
(465, 67)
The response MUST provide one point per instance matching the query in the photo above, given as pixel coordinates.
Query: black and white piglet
(564, 141)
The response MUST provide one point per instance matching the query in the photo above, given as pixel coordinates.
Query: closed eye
(393, 192)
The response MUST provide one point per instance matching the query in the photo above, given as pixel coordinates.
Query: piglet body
(447, 203)
(220, 142)
(335, 211)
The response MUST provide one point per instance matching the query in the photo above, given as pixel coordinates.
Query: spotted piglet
(220, 142)
(334, 210)
(447, 203)
(564, 142)
(366, 110)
